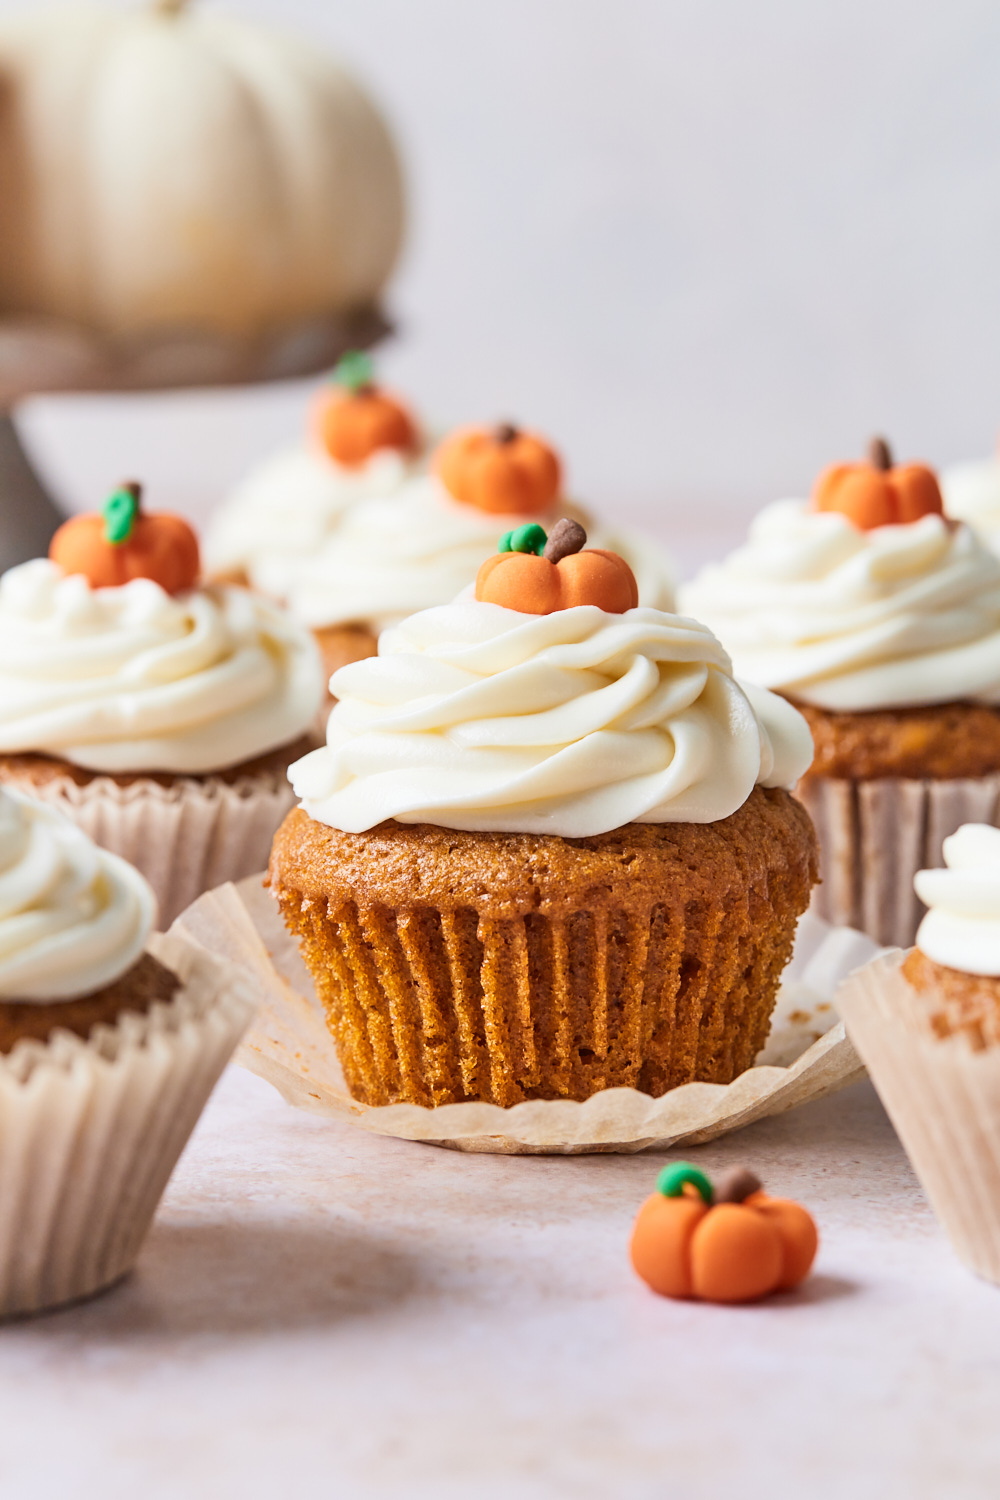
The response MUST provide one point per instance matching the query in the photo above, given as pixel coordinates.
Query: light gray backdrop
(708, 245)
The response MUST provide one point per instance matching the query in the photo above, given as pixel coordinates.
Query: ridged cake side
(506, 967)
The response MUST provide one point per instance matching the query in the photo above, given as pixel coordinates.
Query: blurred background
(705, 248)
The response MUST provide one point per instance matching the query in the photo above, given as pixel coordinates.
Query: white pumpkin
(168, 166)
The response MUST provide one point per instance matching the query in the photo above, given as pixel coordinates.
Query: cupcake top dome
(420, 547)
(113, 660)
(73, 918)
(564, 720)
(972, 494)
(866, 597)
(362, 443)
(962, 926)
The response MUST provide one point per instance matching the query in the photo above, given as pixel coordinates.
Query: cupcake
(363, 444)
(927, 1026)
(880, 618)
(548, 847)
(422, 545)
(972, 494)
(160, 716)
(110, 1042)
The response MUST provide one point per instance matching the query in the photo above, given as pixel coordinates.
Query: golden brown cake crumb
(140, 987)
(341, 644)
(962, 1003)
(506, 967)
(947, 740)
(30, 771)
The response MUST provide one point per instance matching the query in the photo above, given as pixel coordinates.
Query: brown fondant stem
(565, 538)
(880, 454)
(737, 1185)
(505, 432)
(134, 488)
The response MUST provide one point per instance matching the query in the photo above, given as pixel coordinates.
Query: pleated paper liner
(186, 838)
(943, 1099)
(288, 1044)
(875, 835)
(90, 1130)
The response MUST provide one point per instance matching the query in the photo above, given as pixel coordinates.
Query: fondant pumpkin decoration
(122, 542)
(500, 470)
(166, 165)
(354, 418)
(879, 493)
(730, 1243)
(538, 574)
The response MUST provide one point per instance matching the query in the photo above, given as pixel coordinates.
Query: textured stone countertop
(320, 1311)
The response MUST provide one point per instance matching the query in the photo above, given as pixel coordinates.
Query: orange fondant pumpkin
(500, 470)
(353, 418)
(537, 575)
(876, 493)
(727, 1244)
(122, 542)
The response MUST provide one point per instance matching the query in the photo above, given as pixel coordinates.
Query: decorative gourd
(499, 469)
(876, 493)
(168, 165)
(354, 418)
(731, 1243)
(122, 542)
(537, 574)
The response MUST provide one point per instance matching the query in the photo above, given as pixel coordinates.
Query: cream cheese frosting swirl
(285, 510)
(420, 548)
(73, 918)
(899, 616)
(134, 679)
(962, 926)
(477, 717)
(972, 493)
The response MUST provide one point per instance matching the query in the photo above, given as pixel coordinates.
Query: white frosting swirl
(972, 493)
(283, 511)
(962, 926)
(420, 548)
(573, 723)
(133, 679)
(848, 619)
(73, 918)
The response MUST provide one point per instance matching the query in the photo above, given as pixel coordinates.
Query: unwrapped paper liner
(289, 1045)
(90, 1131)
(875, 835)
(187, 837)
(944, 1100)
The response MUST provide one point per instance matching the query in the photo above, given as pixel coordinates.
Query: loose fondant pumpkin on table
(879, 493)
(538, 574)
(122, 542)
(724, 1243)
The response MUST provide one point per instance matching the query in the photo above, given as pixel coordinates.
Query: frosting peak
(73, 918)
(477, 717)
(133, 679)
(962, 927)
(842, 618)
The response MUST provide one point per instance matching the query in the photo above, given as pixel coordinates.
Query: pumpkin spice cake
(546, 851)
(880, 619)
(159, 716)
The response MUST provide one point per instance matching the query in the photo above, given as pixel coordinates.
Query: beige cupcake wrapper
(90, 1131)
(288, 1044)
(187, 837)
(875, 835)
(942, 1097)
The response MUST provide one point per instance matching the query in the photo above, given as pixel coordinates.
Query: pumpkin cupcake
(548, 847)
(972, 494)
(422, 545)
(880, 618)
(363, 444)
(160, 716)
(111, 1040)
(927, 1025)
